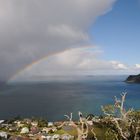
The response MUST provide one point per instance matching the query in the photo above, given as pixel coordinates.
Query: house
(90, 123)
(67, 137)
(46, 130)
(43, 137)
(56, 137)
(15, 138)
(3, 135)
(30, 135)
(20, 124)
(5, 125)
(16, 122)
(34, 130)
(18, 138)
(54, 129)
(49, 137)
(95, 119)
(35, 123)
(13, 128)
(2, 121)
(24, 130)
(27, 121)
(50, 124)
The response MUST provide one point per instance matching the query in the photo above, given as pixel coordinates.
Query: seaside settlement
(37, 129)
(117, 123)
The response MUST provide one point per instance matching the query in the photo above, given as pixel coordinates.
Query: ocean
(52, 99)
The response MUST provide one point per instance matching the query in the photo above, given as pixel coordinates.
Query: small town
(39, 129)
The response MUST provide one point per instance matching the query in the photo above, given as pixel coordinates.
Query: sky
(118, 32)
(77, 37)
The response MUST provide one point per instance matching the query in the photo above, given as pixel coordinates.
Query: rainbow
(38, 61)
(13, 77)
(27, 67)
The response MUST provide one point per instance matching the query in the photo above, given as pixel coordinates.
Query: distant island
(133, 79)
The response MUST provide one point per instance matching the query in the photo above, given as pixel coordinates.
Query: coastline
(99, 127)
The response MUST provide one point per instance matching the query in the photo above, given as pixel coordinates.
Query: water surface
(53, 98)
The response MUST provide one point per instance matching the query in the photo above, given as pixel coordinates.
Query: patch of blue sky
(117, 33)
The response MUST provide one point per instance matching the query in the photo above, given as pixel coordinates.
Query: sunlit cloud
(118, 65)
(137, 66)
(78, 61)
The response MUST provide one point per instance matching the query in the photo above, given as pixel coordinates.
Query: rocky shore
(133, 79)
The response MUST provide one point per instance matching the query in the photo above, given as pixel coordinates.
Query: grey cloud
(77, 61)
(32, 29)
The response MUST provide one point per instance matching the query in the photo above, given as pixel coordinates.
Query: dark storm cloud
(32, 29)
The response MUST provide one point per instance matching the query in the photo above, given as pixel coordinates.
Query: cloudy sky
(63, 37)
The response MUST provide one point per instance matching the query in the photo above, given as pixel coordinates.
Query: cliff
(133, 79)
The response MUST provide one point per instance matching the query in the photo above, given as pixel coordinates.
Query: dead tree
(82, 128)
(137, 131)
(119, 104)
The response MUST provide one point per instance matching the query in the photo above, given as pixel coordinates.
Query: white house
(24, 130)
(3, 135)
(50, 124)
(1, 121)
(56, 137)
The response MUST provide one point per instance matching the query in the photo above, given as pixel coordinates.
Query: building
(3, 135)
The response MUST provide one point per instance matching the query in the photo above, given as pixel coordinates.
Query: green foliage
(134, 115)
(42, 123)
(111, 135)
(125, 127)
(109, 109)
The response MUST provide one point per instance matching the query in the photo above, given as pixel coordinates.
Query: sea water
(53, 98)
